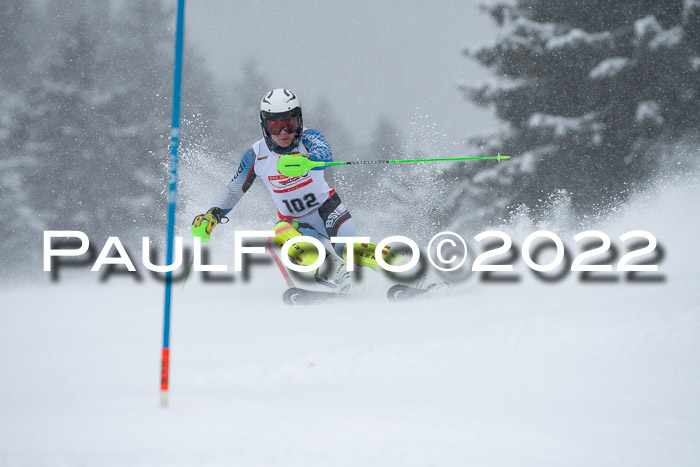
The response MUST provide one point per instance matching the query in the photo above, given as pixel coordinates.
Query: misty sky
(401, 59)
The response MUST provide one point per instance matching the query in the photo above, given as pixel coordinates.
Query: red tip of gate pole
(164, 375)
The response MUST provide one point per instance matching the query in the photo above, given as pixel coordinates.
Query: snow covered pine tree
(585, 88)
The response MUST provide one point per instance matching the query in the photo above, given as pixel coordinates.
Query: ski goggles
(275, 127)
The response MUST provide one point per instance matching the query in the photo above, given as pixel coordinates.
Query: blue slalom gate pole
(172, 200)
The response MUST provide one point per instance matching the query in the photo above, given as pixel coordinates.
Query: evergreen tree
(71, 126)
(585, 87)
(18, 17)
(15, 20)
(143, 71)
(101, 117)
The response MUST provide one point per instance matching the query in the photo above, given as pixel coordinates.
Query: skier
(306, 205)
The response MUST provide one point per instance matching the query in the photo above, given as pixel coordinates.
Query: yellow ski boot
(301, 253)
(365, 256)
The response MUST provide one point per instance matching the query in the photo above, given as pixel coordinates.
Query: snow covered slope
(528, 373)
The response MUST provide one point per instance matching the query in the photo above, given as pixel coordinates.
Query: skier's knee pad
(302, 253)
(365, 256)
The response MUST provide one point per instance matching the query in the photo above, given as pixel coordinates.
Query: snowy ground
(531, 373)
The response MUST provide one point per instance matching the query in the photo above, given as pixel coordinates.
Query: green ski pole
(297, 165)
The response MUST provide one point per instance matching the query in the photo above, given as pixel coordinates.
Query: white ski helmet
(281, 105)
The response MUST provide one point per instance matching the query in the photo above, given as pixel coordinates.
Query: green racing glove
(203, 224)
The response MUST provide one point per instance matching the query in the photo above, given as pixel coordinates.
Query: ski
(298, 296)
(401, 292)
